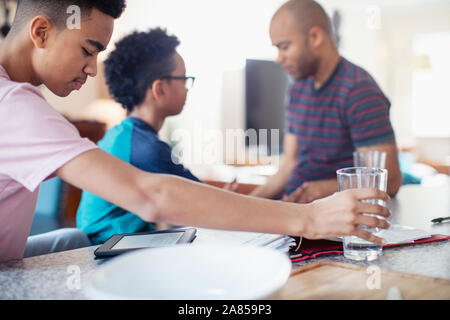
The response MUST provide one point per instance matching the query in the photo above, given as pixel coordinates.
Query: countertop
(62, 275)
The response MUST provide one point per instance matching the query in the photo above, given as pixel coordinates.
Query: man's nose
(280, 58)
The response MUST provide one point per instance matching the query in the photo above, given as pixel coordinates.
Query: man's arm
(167, 198)
(392, 165)
(371, 129)
(314, 190)
(276, 184)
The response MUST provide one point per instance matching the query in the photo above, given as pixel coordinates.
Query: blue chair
(406, 161)
(46, 216)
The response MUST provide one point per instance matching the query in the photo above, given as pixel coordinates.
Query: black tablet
(121, 243)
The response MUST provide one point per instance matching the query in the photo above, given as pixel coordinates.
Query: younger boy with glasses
(146, 76)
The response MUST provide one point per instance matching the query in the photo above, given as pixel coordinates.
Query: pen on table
(439, 220)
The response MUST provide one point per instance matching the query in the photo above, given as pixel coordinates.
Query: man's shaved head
(307, 14)
(302, 32)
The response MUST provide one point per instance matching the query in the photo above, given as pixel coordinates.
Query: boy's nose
(91, 68)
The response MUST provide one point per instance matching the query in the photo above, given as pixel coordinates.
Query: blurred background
(403, 44)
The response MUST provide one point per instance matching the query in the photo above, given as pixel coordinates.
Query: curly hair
(56, 10)
(137, 61)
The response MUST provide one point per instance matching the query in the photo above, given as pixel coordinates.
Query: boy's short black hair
(137, 61)
(56, 10)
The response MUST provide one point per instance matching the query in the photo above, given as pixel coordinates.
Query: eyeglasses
(188, 81)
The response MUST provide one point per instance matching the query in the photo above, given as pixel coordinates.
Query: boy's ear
(39, 31)
(158, 89)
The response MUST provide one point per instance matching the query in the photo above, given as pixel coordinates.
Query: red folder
(310, 249)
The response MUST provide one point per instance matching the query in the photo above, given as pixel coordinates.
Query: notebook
(395, 236)
(398, 234)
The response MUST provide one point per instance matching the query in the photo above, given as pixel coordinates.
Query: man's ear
(315, 36)
(39, 31)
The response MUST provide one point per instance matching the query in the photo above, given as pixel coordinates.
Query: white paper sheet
(276, 241)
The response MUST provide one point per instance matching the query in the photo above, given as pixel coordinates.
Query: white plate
(194, 272)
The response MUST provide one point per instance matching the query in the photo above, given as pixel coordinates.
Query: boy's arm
(166, 198)
(171, 199)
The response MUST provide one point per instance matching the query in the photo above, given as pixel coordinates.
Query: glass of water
(360, 178)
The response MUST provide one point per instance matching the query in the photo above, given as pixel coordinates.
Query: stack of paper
(276, 241)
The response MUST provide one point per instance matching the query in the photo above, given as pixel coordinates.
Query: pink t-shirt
(35, 141)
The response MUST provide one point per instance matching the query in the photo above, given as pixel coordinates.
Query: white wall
(216, 38)
(383, 46)
(401, 28)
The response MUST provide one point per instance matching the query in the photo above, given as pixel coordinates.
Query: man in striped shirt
(335, 108)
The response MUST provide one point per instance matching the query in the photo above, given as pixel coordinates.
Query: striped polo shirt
(347, 112)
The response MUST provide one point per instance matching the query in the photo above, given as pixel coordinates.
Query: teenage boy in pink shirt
(36, 143)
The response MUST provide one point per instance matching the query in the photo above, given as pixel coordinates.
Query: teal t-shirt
(137, 143)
